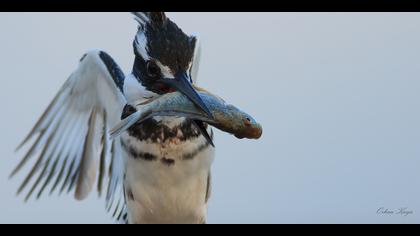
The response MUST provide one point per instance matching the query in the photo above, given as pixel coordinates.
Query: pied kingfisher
(157, 171)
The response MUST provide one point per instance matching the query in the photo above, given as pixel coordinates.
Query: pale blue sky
(337, 95)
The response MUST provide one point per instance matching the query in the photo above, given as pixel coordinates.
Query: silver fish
(226, 117)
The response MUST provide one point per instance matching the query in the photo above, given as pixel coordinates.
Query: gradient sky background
(337, 94)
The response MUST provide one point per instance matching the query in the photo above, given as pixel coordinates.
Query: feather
(88, 164)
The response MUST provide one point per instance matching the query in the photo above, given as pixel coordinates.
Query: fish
(225, 116)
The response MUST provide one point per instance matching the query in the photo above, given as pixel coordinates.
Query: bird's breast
(166, 140)
(167, 172)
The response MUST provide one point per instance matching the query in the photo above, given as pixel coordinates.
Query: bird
(158, 171)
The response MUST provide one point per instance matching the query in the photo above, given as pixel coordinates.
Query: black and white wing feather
(72, 149)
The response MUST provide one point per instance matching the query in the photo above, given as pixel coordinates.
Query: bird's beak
(181, 83)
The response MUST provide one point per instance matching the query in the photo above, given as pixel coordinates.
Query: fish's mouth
(252, 133)
(248, 130)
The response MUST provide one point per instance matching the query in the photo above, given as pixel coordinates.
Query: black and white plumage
(157, 171)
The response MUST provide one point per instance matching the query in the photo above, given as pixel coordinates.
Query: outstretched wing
(72, 144)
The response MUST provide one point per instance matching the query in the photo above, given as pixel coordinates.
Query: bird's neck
(162, 129)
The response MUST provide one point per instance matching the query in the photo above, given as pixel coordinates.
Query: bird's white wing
(196, 59)
(72, 147)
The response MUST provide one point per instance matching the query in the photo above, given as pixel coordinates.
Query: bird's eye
(152, 69)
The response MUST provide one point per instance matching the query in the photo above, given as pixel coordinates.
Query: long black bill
(182, 84)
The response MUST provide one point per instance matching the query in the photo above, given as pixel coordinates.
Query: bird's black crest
(152, 18)
(171, 46)
(166, 42)
(157, 18)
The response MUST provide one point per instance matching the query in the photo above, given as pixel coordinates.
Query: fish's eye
(247, 121)
(152, 69)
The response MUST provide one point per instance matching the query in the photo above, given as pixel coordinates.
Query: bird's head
(164, 56)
